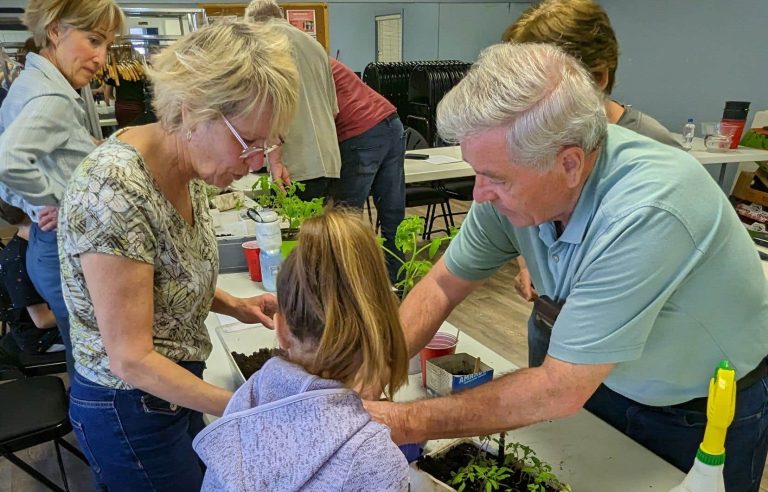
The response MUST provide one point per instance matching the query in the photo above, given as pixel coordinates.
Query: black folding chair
(34, 411)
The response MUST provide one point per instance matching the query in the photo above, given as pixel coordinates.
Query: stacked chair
(415, 88)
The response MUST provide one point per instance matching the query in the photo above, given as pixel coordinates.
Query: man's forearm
(512, 401)
(429, 304)
(421, 314)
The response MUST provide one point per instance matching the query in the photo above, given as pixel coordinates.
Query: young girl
(296, 424)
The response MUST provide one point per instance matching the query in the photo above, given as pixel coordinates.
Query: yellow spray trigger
(721, 406)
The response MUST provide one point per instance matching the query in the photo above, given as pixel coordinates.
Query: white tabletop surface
(420, 170)
(584, 452)
(730, 156)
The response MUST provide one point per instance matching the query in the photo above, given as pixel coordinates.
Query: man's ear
(571, 160)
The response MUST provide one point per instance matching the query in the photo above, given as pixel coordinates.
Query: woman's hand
(48, 218)
(257, 309)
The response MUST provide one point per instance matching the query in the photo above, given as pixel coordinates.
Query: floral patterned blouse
(113, 206)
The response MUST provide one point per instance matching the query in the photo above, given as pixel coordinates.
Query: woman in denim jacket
(43, 132)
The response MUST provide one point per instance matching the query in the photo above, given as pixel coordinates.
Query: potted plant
(291, 209)
(474, 465)
(417, 259)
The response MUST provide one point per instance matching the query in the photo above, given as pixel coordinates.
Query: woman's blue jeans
(135, 441)
(44, 270)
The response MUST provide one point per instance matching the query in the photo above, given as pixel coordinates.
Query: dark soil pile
(457, 457)
(249, 364)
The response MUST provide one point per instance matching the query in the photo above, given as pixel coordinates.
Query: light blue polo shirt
(658, 274)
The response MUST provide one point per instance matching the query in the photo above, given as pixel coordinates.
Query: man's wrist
(415, 422)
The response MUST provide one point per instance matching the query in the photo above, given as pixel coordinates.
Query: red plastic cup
(440, 345)
(252, 250)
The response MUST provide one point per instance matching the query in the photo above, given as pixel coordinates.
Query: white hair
(545, 98)
(261, 10)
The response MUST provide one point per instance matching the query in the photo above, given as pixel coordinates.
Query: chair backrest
(414, 140)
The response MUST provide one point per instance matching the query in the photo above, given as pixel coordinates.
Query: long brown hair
(580, 27)
(334, 292)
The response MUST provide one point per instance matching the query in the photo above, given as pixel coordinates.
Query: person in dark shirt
(32, 323)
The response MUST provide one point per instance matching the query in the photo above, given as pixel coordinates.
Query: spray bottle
(706, 475)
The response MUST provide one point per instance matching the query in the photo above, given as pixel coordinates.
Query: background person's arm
(277, 168)
(121, 290)
(43, 126)
(42, 316)
(523, 284)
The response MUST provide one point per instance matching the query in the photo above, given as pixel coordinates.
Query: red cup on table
(251, 250)
(440, 345)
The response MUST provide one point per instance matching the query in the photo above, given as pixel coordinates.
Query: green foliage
(418, 258)
(283, 200)
(489, 471)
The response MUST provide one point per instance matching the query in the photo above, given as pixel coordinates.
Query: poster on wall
(303, 20)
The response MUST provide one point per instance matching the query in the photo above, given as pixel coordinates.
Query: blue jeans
(136, 441)
(44, 271)
(674, 433)
(372, 164)
(315, 188)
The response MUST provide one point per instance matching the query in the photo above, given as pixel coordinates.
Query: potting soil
(249, 364)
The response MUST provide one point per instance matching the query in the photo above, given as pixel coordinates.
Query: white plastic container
(268, 230)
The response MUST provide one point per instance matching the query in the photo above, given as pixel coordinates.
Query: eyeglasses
(248, 151)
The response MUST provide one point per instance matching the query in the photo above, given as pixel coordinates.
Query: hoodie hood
(285, 429)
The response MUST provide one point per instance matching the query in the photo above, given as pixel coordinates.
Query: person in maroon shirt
(372, 146)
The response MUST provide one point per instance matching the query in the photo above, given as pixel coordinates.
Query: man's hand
(257, 309)
(48, 218)
(393, 415)
(524, 287)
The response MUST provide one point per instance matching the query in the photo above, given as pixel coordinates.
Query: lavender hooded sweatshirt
(286, 429)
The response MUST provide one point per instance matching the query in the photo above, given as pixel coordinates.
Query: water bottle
(688, 131)
(270, 266)
(267, 229)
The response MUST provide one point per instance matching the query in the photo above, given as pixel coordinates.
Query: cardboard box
(745, 189)
(442, 381)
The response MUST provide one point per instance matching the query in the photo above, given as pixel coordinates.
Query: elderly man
(310, 153)
(658, 278)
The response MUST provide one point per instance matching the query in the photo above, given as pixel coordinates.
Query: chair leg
(31, 471)
(448, 217)
(430, 219)
(73, 450)
(61, 465)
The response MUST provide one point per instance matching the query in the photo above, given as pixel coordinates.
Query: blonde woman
(139, 257)
(296, 424)
(43, 127)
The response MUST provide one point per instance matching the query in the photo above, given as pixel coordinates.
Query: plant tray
(421, 481)
(245, 339)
